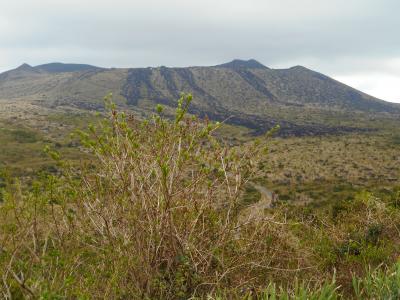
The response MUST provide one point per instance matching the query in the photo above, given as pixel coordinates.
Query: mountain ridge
(58, 67)
(245, 92)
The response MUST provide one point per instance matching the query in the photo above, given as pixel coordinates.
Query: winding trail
(256, 210)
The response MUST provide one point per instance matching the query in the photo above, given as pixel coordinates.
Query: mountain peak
(247, 64)
(58, 67)
(24, 66)
(299, 68)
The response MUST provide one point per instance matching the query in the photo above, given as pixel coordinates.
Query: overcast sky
(354, 41)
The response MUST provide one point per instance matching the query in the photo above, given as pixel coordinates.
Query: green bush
(156, 217)
(24, 136)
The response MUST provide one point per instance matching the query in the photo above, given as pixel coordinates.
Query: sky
(354, 41)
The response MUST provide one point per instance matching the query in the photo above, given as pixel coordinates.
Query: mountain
(23, 71)
(61, 68)
(247, 64)
(243, 92)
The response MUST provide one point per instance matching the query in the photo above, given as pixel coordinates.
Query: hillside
(302, 101)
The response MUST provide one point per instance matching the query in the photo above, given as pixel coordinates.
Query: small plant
(24, 136)
(378, 284)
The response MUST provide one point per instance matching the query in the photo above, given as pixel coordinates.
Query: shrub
(156, 217)
(24, 136)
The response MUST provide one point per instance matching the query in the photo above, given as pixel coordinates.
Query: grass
(22, 143)
(323, 170)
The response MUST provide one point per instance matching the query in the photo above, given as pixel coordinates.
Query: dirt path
(256, 210)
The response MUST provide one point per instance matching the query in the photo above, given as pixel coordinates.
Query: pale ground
(28, 113)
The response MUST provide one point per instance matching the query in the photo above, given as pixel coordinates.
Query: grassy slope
(326, 168)
(24, 136)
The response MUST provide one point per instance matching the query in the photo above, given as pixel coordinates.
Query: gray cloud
(343, 38)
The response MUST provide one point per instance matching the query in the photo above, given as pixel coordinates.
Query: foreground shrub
(155, 214)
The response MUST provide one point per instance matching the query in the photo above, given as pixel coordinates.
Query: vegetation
(161, 209)
(320, 171)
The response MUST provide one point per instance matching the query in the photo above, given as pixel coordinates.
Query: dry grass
(330, 168)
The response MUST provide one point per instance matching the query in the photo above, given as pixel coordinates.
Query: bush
(24, 136)
(157, 217)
